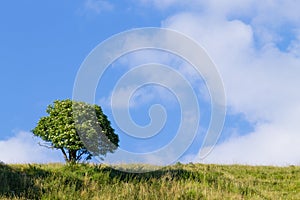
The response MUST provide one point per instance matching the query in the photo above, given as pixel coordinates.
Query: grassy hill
(191, 181)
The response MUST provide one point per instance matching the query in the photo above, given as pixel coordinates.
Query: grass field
(191, 181)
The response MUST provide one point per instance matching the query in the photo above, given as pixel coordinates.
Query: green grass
(191, 181)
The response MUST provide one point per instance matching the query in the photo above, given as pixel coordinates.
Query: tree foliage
(80, 130)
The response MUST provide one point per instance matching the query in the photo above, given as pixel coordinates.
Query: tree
(78, 129)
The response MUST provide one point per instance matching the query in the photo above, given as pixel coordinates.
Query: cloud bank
(24, 148)
(260, 65)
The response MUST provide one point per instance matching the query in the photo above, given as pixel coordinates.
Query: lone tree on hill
(78, 129)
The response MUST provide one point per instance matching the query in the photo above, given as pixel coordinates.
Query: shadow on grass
(106, 174)
(20, 183)
(36, 181)
(163, 173)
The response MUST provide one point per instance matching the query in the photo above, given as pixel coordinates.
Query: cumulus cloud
(24, 148)
(270, 144)
(260, 77)
(255, 46)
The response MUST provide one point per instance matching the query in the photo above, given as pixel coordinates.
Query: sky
(253, 44)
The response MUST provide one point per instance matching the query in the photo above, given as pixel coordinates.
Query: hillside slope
(191, 181)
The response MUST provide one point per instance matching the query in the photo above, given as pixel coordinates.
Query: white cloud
(294, 47)
(261, 10)
(135, 80)
(270, 144)
(160, 4)
(269, 18)
(133, 91)
(261, 79)
(260, 82)
(24, 148)
(98, 6)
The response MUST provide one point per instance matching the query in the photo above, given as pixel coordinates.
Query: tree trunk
(72, 156)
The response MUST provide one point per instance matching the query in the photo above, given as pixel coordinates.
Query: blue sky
(254, 45)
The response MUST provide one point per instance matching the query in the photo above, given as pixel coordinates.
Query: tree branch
(65, 155)
(79, 156)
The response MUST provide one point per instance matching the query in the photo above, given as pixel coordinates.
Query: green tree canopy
(80, 130)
